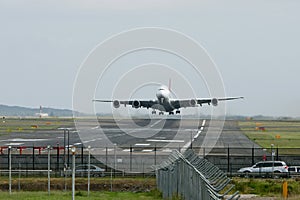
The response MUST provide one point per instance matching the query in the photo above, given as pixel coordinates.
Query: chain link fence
(192, 177)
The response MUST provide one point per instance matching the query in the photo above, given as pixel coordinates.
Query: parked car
(265, 168)
(294, 170)
(82, 170)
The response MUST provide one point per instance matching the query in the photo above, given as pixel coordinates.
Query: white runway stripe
(147, 150)
(141, 144)
(95, 127)
(168, 141)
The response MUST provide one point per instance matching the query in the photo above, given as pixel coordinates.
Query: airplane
(41, 114)
(164, 102)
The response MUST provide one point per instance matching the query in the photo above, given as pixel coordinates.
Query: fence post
(228, 159)
(106, 159)
(9, 168)
(155, 154)
(82, 154)
(57, 157)
(33, 167)
(277, 156)
(130, 157)
(49, 163)
(252, 155)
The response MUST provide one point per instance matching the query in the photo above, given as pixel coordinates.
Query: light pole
(48, 148)
(89, 168)
(64, 148)
(9, 168)
(73, 171)
(68, 131)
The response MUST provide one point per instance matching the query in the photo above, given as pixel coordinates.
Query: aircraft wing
(134, 103)
(194, 102)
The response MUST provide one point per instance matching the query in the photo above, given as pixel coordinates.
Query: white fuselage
(163, 95)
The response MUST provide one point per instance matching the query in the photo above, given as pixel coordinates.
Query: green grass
(288, 131)
(54, 195)
(26, 124)
(267, 187)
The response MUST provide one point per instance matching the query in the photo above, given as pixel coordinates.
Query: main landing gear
(154, 112)
(172, 113)
(162, 113)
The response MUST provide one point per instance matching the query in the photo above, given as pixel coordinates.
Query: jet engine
(214, 102)
(116, 103)
(193, 102)
(136, 104)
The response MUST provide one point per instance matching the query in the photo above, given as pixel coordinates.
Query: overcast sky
(254, 43)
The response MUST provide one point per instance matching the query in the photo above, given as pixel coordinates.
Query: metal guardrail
(191, 177)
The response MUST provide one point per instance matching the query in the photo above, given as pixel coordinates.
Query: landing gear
(171, 113)
(153, 112)
(177, 111)
(161, 113)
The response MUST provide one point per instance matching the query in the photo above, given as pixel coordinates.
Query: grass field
(267, 187)
(33, 124)
(35, 188)
(153, 195)
(261, 187)
(284, 134)
(137, 184)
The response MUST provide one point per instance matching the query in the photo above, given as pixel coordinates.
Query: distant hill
(23, 111)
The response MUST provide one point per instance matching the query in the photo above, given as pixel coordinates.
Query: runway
(135, 145)
(144, 136)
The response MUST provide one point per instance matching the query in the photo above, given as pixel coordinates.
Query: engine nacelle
(136, 104)
(116, 103)
(193, 102)
(214, 102)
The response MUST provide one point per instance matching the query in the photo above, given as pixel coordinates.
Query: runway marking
(203, 123)
(167, 150)
(78, 143)
(141, 144)
(14, 144)
(184, 148)
(201, 128)
(23, 140)
(197, 134)
(95, 127)
(147, 150)
(108, 149)
(168, 141)
(126, 150)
